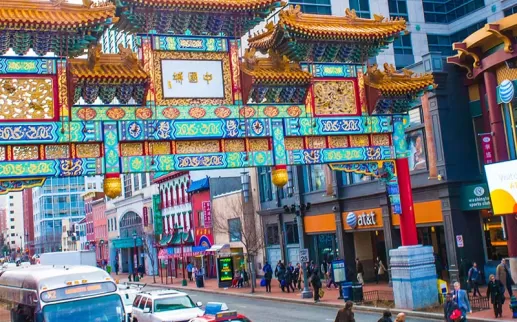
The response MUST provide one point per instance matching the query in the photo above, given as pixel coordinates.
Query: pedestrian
(189, 271)
(288, 278)
(345, 314)
(268, 276)
(141, 271)
(316, 285)
(331, 280)
(401, 317)
(495, 291)
(379, 270)
(500, 273)
(296, 276)
(386, 317)
(300, 278)
(448, 307)
(323, 269)
(462, 299)
(116, 268)
(279, 272)
(360, 270)
(509, 279)
(193, 272)
(474, 278)
(236, 278)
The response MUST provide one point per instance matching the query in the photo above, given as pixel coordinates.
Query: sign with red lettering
(207, 210)
(146, 217)
(487, 148)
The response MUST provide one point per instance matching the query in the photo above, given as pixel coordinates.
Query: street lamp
(136, 254)
(101, 246)
(245, 182)
(184, 281)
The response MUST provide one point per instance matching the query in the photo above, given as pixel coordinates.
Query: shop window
(235, 229)
(266, 193)
(417, 150)
(362, 7)
(272, 235)
(291, 232)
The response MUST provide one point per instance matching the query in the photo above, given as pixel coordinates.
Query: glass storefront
(323, 247)
(435, 236)
(495, 237)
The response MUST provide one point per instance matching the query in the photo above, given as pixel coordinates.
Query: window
(510, 11)
(417, 150)
(321, 7)
(11, 212)
(403, 51)
(291, 232)
(149, 304)
(128, 187)
(137, 300)
(398, 8)
(12, 219)
(143, 179)
(235, 229)
(415, 116)
(11, 197)
(201, 219)
(136, 181)
(12, 227)
(12, 234)
(11, 204)
(266, 194)
(443, 43)
(272, 235)
(446, 11)
(316, 179)
(362, 8)
(13, 242)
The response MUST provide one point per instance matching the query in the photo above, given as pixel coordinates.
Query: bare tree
(249, 233)
(148, 246)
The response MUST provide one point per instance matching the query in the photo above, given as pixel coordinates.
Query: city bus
(44, 293)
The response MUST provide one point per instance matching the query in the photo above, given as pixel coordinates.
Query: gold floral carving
(234, 52)
(25, 152)
(339, 141)
(258, 144)
(56, 151)
(26, 99)
(63, 94)
(131, 149)
(316, 142)
(293, 143)
(335, 97)
(158, 56)
(159, 148)
(234, 145)
(89, 150)
(359, 140)
(380, 139)
(2, 153)
(185, 147)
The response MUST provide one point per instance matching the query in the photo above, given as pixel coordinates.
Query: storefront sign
(364, 219)
(225, 270)
(459, 241)
(502, 183)
(475, 197)
(207, 210)
(304, 255)
(487, 148)
(157, 213)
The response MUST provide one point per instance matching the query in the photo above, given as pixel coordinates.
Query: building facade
(3, 232)
(15, 226)
(100, 227)
(58, 199)
(28, 221)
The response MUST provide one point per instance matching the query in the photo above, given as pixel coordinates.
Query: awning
(166, 239)
(218, 248)
(126, 242)
(198, 185)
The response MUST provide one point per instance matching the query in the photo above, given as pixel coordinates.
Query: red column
(501, 152)
(407, 218)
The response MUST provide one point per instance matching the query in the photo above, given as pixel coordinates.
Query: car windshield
(100, 309)
(128, 298)
(173, 303)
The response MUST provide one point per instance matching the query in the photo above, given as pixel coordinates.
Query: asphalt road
(259, 310)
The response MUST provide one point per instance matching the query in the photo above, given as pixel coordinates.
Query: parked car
(165, 306)
(128, 293)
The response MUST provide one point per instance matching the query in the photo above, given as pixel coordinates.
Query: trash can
(357, 292)
(347, 291)
(199, 281)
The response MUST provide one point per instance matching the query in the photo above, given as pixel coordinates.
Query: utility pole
(306, 293)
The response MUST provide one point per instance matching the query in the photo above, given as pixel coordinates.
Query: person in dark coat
(345, 314)
(116, 267)
(448, 307)
(509, 280)
(316, 285)
(495, 291)
(386, 317)
(268, 276)
(288, 281)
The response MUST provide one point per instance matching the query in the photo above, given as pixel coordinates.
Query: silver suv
(164, 306)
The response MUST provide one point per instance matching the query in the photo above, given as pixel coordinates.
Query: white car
(128, 293)
(165, 306)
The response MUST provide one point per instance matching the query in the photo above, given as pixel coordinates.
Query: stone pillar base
(413, 275)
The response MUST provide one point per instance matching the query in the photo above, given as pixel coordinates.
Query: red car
(227, 316)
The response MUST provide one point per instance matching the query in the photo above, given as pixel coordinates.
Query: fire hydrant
(513, 306)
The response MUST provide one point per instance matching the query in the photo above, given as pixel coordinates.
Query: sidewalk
(330, 299)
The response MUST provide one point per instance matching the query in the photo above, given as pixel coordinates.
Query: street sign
(459, 240)
(304, 255)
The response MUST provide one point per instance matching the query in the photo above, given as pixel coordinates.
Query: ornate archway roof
(197, 17)
(296, 33)
(36, 21)
(392, 83)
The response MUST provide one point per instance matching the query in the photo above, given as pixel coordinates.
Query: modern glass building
(58, 199)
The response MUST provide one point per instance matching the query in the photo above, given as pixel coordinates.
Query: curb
(358, 308)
